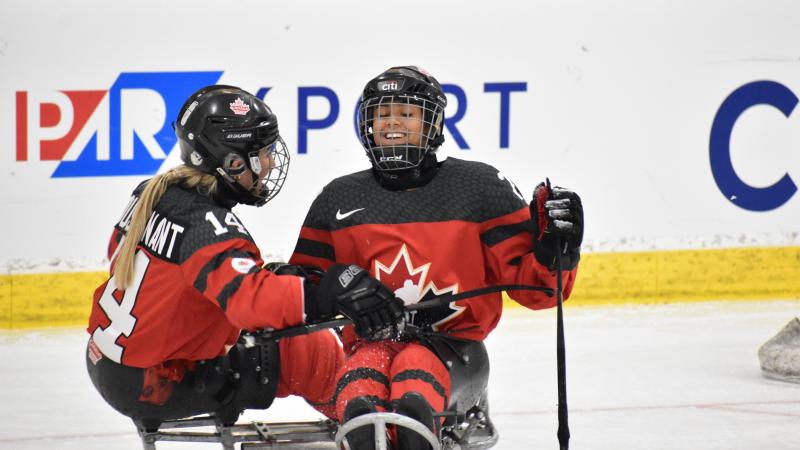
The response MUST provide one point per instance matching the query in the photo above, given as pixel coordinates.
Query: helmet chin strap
(232, 193)
(226, 194)
(416, 177)
(436, 142)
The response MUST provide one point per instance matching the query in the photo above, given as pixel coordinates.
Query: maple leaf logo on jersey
(239, 107)
(411, 284)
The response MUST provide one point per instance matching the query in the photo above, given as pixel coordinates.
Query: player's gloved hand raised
(375, 311)
(556, 213)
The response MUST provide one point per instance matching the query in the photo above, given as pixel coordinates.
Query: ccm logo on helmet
(392, 158)
(736, 190)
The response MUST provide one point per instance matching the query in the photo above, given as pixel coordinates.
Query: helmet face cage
(267, 180)
(398, 131)
(268, 185)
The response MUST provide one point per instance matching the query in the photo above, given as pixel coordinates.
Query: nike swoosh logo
(340, 216)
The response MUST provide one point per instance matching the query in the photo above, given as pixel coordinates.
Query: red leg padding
(309, 365)
(417, 369)
(366, 374)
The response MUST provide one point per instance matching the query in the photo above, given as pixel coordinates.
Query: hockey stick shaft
(563, 420)
(561, 363)
(427, 304)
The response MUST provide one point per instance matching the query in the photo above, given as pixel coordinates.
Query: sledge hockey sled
(254, 435)
(471, 430)
(466, 426)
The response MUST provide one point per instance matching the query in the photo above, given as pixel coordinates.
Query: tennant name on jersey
(159, 232)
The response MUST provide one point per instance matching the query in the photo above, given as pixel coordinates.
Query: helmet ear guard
(234, 165)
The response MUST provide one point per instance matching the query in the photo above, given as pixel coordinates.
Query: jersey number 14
(119, 313)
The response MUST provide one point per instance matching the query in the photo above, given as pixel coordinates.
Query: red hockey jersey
(468, 228)
(198, 281)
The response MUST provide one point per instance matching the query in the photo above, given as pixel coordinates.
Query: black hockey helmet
(388, 100)
(224, 130)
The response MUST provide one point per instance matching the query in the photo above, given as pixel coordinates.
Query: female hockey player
(426, 228)
(186, 277)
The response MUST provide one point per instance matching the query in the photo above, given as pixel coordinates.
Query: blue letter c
(737, 191)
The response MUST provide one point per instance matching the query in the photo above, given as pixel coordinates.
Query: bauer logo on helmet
(239, 136)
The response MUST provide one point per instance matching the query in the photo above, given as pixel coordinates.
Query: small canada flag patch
(242, 265)
(93, 352)
(239, 107)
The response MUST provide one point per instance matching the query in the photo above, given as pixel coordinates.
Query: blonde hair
(185, 175)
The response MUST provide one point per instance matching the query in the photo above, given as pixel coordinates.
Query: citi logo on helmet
(123, 130)
(392, 85)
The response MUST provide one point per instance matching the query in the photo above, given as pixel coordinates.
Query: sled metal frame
(254, 435)
(379, 420)
(475, 432)
(471, 431)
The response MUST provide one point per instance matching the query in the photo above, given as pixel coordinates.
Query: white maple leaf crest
(239, 107)
(411, 292)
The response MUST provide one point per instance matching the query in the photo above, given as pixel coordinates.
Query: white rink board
(619, 102)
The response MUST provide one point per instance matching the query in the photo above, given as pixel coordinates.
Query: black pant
(210, 388)
(468, 364)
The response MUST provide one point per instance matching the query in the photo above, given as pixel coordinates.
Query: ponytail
(187, 176)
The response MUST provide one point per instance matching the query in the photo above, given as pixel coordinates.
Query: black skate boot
(414, 405)
(362, 438)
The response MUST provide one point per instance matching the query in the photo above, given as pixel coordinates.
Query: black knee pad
(414, 405)
(468, 365)
(362, 438)
(252, 380)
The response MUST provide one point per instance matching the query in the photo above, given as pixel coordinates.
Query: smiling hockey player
(425, 228)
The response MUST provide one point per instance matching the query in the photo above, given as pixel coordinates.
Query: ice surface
(680, 376)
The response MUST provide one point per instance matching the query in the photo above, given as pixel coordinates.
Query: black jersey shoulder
(337, 197)
(185, 221)
(500, 194)
(461, 190)
(484, 191)
(127, 214)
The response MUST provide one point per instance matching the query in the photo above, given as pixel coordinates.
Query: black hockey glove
(310, 273)
(556, 214)
(349, 290)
